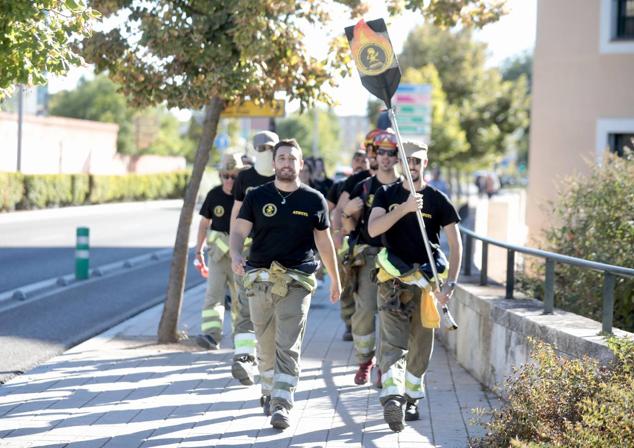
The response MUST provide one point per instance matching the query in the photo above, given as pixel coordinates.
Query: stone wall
(494, 332)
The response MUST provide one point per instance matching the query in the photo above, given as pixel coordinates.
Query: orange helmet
(368, 142)
(386, 140)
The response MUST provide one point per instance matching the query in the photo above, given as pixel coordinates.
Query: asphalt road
(40, 245)
(53, 320)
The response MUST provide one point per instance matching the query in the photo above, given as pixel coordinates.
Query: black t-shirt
(284, 232)
(366, 190)
(247, 180)
(353, 180)
(404, 237)
(217, 207)
(335, 191)
(323, 186)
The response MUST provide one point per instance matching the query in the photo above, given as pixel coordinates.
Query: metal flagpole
(419, 217)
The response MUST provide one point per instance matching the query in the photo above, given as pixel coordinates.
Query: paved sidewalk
(121, 389)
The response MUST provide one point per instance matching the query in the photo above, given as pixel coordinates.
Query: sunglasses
(228, 176)
(262, 148)
(413, 160)
(387, 152)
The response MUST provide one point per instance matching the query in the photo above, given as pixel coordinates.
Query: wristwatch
(451, 285)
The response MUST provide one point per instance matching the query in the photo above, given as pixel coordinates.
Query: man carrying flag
(407, 310)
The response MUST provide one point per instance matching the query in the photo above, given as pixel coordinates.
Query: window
(619, 143)
(625, 19)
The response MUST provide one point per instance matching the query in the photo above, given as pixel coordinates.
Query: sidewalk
(121, 389)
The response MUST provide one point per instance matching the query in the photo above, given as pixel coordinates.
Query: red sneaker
(363, 373)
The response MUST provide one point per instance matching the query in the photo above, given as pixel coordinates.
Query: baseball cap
(265, 138)
(231, 162)
(415, 149)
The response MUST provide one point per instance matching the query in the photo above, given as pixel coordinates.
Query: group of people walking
(267, 235)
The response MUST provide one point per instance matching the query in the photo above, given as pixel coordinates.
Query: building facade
(583, 94)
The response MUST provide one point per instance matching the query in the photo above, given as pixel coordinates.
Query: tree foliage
(36, 37)
(490, 109)
(447, 137)
(150, 131)
(301, 127)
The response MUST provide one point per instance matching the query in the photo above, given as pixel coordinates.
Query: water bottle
(204, 272)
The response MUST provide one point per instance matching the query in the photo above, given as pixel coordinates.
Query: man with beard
(361, 258)
(244, 364)
(404, 282)
(287, 220)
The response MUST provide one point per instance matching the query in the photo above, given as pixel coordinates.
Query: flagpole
(419, 217)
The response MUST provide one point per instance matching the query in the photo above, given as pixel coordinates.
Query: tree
(301, 127)
(490, 109)
(98, 100)
(447, 137)
(35, 39)
(515, 67)
(207, 54)
(150, 131)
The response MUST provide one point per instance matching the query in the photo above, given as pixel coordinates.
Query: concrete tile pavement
(121, 389)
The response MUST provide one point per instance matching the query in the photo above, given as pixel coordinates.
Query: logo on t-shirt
(392, 207)
(369, 201)
(219, 210)
(269, 210)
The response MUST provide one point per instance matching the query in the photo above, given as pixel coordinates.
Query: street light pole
(20, 117)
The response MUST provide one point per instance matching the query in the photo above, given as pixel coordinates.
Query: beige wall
(58, 145)
(54, 145)
(576, 85)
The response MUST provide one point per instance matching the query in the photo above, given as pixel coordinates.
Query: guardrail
(609, 271)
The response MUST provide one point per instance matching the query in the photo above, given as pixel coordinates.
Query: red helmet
(386, 140)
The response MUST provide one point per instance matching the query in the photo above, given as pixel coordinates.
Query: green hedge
(33, 191)
(11, 190)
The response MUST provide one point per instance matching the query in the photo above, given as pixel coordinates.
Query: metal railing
(609, 271)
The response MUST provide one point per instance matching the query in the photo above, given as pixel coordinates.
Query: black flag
(375, 59)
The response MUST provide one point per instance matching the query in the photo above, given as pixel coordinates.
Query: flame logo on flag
(371, 51)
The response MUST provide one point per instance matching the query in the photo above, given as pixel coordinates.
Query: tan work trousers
(279, 324)
(406, 348)
(365, 308)
(220, 278)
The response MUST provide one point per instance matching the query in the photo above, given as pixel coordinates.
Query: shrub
(46, 190)
(594, 221)
(80, 187)
(561, 402)
(11, 190)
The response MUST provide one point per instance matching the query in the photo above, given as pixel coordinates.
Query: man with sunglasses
(406, 345)
(215, 215)
(244, 357)
(361, 259)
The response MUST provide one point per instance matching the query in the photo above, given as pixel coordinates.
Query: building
(583, 93)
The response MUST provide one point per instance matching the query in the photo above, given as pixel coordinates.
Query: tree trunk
(168, 327)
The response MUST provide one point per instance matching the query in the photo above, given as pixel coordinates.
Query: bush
(595, 222)
(137, 187)
(46, 190)
(11, 190)
(80, 187)
(561, 402)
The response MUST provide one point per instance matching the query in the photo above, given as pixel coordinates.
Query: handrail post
(485, 264)
(510, 273)
(468, 254)
(549, 287)
(609, 281)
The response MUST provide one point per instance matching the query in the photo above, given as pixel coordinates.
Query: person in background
(213, 235)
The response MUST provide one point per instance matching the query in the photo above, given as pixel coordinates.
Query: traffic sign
(413, 108)
(251, 109)
(221, 142)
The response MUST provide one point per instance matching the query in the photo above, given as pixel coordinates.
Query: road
(37, 246)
